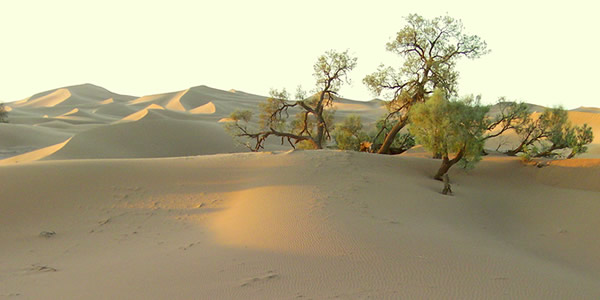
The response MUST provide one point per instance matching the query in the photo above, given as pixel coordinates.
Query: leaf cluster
(553, 135)
(305, 121)
(349, 134)
(430, 49)
(450, 126)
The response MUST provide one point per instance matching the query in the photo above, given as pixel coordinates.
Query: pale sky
(543, 52)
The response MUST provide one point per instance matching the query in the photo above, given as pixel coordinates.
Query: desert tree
(349, 134)
(509, 116)
(402, 141)
(3, 114)
(449, 127)
(572, 139)
(312, 118)
(578, 140)
(550, 134)
(430, 50)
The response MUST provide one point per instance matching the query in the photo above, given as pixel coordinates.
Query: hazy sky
(543, 52)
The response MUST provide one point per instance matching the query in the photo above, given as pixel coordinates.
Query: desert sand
(108, 196)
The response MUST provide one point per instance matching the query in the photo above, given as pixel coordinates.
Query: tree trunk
(447, 163)
(320, 133)
(443, 168)
(389, 138)
(516, 150)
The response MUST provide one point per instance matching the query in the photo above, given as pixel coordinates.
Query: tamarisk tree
(449, 127)
(551, 133)
(430, 49)
(313, 116)
(349, 134)
(510, 116)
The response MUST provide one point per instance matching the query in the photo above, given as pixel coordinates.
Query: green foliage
(3, 114)
(581, 137)
(509, 116)
(450, 126)
(332, 69)
(349, 134)
(430, 49)
(271, 116)
(306, 121)
(552, 135)
(238, 124)
(403, 141)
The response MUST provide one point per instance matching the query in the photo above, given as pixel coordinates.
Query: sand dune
(175, 102)
(108, 196)
(308, 224)
(17, 139)
(34, 155)
(138, 115)
(587, 109)
(118, 110)
(49, 100)
(148, 138)
(72, 95)
(169, 100)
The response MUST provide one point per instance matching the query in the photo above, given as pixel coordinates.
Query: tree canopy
(349, 134)
(449, 127)
(551, 133)
(314, 115)
(430, 50)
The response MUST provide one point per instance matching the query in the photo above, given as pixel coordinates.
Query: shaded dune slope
(148, 138)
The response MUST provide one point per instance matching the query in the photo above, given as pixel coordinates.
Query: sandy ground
(106, 196)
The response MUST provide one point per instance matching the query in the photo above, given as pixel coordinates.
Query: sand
(164, 205)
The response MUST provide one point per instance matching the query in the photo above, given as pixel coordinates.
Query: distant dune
(70, 111)
(108, 196)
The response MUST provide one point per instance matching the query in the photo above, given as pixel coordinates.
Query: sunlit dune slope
(592, 119)
(81, 95)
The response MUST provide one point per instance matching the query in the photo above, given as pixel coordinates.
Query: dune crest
(107, 101)
(138, 115)
(175, 102)
(223, 120)
(208, 108)
(34, 155)
(71, 112)
(49, 100)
